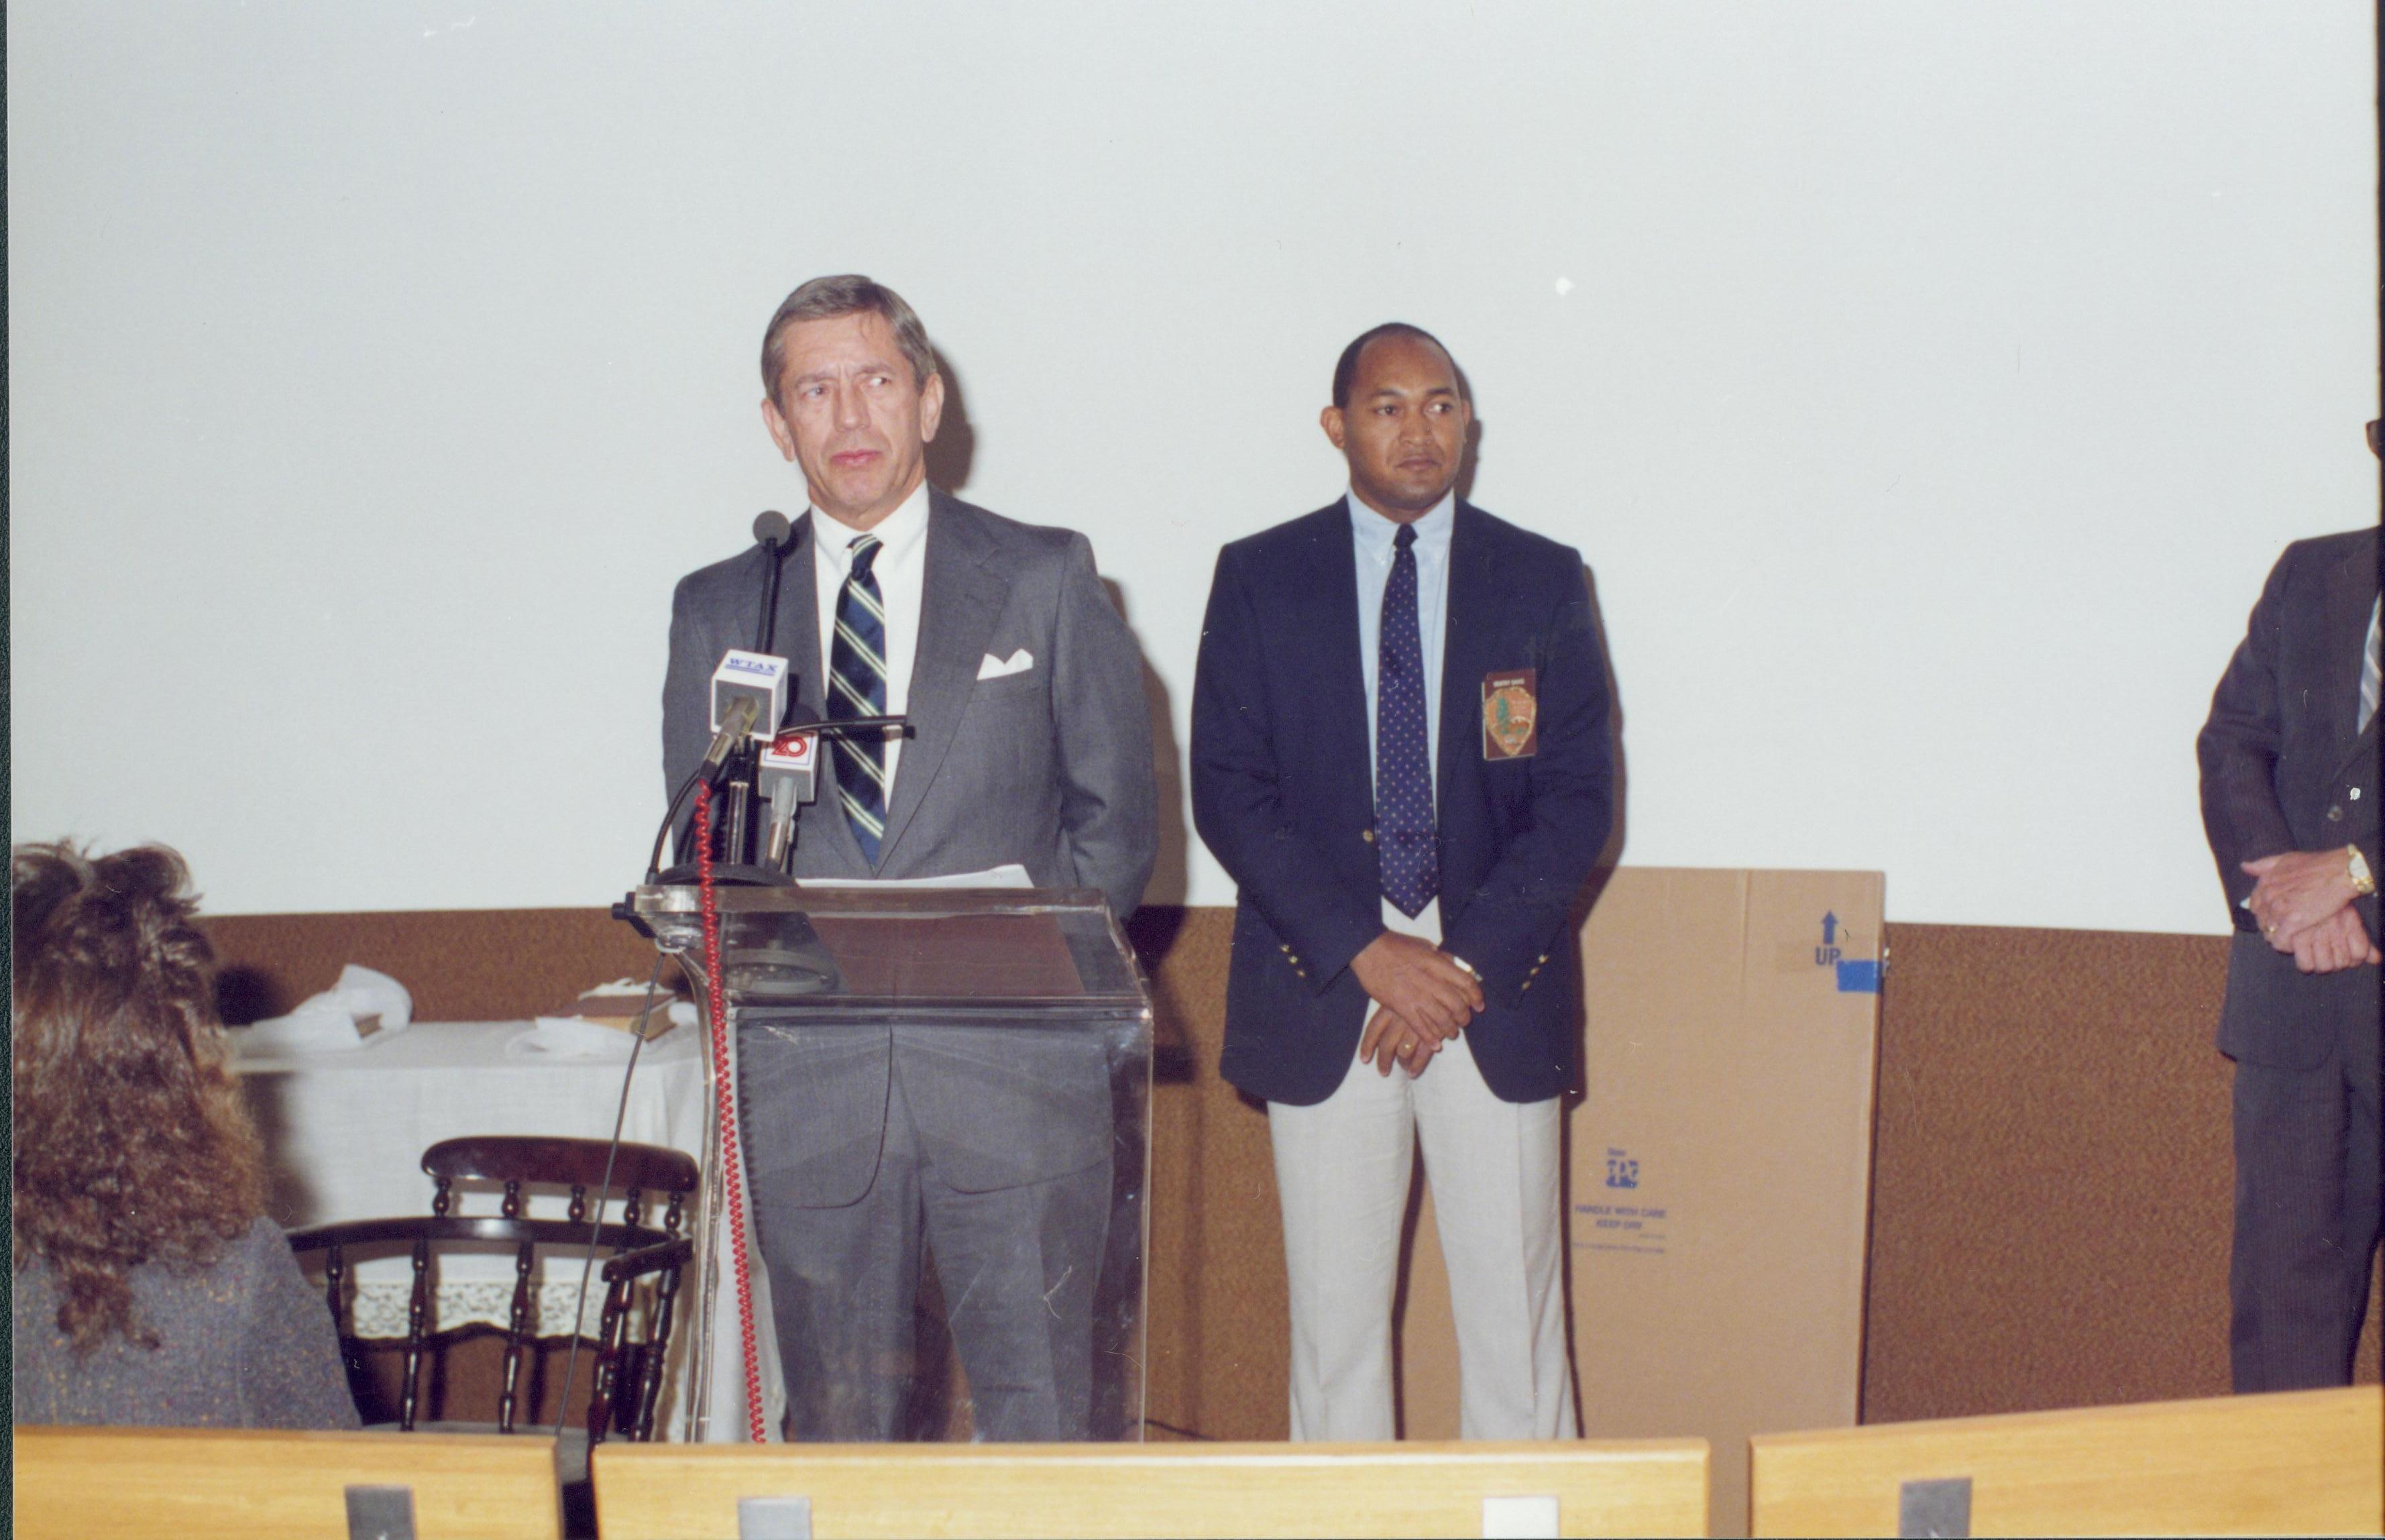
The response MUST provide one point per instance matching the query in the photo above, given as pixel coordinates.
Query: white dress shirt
(1372, 536)
(901, 569)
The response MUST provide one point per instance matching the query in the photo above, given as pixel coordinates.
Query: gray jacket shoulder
(1028, 543)
(734, 580)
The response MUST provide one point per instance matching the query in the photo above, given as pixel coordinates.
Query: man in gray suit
(2290, 801)
(1030, 744)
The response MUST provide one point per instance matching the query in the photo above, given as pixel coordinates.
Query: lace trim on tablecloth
(379, 1308)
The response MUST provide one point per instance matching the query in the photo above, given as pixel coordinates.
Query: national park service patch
(1511, 711)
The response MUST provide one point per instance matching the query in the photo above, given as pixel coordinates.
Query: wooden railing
(650, 1492)
(2302, 1462)
(197, 1484)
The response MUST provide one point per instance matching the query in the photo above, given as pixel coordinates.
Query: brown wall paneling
(2053, 1177)
(2051, 1190)
(460, 964)
(1218, 1313)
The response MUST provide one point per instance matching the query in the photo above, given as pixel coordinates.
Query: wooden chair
(717, 1492)
(2300, 1463)
(205, 1483)
(620, 1402)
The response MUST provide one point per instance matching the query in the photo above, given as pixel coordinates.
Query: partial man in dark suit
(1400, 752)
(1032, 743)
(2290, 802)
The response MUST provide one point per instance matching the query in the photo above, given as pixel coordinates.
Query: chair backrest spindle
(650, 1392)
(417, 1320)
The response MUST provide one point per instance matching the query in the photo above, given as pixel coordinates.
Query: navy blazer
(1283, 795)
(2285, 767)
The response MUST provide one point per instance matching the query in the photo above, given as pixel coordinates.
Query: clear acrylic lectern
(943, 1094)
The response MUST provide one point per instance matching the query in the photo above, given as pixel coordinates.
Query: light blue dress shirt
(1373, 536)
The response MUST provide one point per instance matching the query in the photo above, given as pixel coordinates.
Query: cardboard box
(1719, 1169)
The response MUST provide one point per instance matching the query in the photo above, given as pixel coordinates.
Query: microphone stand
(739, 870)
(775, 544)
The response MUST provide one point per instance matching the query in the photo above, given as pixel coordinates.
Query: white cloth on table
(570, 1037)
(345, 1131)
(364, 1004)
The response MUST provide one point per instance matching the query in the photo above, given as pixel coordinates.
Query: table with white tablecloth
(344, 1133)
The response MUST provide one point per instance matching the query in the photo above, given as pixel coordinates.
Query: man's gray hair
(846, 294)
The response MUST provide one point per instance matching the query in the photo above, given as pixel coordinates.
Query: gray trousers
(1018, 1268)
(2309, 1170)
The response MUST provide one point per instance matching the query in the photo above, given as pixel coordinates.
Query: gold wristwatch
(2356, 864)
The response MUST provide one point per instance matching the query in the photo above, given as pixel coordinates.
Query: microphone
(771, 529)
(752, 677)
(738, 702)
(735, 724)
(787, 777)
(749, 701)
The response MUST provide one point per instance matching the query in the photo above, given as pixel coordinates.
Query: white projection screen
(1929, 385)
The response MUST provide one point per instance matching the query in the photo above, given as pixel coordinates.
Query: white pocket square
(1000, 668)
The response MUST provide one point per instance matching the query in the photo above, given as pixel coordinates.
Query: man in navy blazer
(1400, 753)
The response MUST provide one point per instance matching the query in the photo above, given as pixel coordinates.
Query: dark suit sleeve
(1509, 922)
(1108, 805)
(2238, 750)
(1237, 805)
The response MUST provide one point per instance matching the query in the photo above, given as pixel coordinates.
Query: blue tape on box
(1858, 976)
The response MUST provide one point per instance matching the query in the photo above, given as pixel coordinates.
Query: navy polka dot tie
(1403, 828)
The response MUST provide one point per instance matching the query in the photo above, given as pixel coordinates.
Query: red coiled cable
(725, 1108)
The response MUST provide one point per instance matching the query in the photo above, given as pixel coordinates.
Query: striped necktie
(2372, 665)
(1406, 845)
(856, 687)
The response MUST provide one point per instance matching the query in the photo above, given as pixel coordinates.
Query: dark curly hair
(131, 1142)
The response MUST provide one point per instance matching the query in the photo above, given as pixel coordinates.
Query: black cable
(670, 816)
(605, 1192)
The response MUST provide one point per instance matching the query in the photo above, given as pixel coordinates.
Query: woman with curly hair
(148, 1286)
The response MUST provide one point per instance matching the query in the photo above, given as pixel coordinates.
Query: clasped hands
(2302, 901)
(1423, 998)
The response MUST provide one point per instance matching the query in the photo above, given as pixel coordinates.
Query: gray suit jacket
(2286, 767)
(1050, 769)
